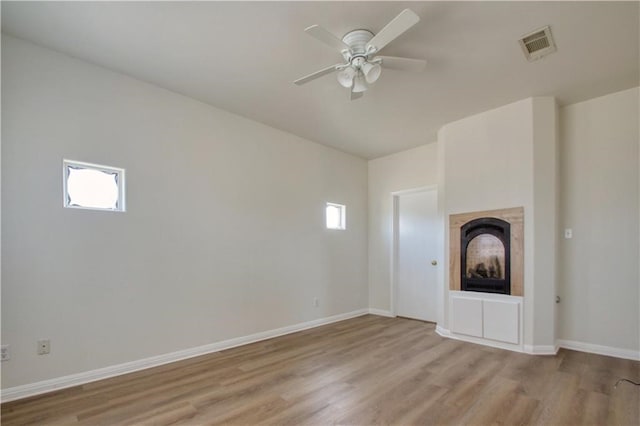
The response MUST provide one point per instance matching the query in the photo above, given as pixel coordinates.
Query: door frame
(395, 236)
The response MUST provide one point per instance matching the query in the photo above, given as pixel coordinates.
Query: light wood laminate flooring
(363, 371)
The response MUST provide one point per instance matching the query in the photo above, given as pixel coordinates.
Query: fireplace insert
(485, 256)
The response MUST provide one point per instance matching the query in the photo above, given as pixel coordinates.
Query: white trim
(120, 172)
(541, 349)
(486, 296)
(393, 261)
(342, 225)
(549, 349)
(31, 389)
(415, 190)
(443, 332)
(381, 312)
(599, 349)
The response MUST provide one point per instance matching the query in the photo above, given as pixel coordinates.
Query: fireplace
(486, 251)
(485, 256)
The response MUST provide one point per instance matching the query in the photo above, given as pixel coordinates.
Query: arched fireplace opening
(485, 256)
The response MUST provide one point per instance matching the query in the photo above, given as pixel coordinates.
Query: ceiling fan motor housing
(357, 41)
(357, 56)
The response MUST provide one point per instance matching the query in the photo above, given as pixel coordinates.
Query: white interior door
(416, 253)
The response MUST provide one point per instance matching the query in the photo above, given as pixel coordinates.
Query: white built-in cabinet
(486, 316)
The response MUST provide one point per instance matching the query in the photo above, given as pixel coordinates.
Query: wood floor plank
(368, 370)
(624, 405)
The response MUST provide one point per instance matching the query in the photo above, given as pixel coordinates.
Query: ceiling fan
(359, 48)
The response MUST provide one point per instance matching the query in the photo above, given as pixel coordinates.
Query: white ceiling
(244, 56)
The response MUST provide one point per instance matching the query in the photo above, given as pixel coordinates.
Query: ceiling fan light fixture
(361, 68)
(346, 77)
(371, 72)
(359, 83)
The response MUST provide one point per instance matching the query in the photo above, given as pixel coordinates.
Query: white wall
(488, 162)
(545, 217)
(599, 281)
(223, 235)
(405, 170)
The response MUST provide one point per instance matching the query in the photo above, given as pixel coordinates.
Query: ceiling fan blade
(317, 74)
(402, 64)
(326, 37)
(401, 23)
(355, 95)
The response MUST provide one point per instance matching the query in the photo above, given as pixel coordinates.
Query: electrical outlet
(316, 302)
(44, 347)
(4, 352)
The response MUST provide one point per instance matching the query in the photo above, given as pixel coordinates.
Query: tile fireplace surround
(515, 217)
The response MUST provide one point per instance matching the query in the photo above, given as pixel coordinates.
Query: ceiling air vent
(537, 44)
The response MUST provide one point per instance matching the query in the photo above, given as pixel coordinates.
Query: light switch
(568, 233)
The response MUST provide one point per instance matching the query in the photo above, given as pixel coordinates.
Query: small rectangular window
(92, 186)
(336, 216)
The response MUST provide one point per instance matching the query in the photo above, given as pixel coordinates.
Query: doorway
(415, 254)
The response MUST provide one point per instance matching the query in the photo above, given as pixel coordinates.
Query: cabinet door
(501, 321)
(466, 316)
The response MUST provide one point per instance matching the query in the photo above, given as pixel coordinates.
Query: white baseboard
(549, 349)
(600, 349)
(443, 331)
(477, 340)
(541, 349)
(23, 391)
(381, 312)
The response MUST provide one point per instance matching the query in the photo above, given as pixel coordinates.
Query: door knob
(434, 262)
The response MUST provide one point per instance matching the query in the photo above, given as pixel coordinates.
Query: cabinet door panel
(467, 316)
(501, 321)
